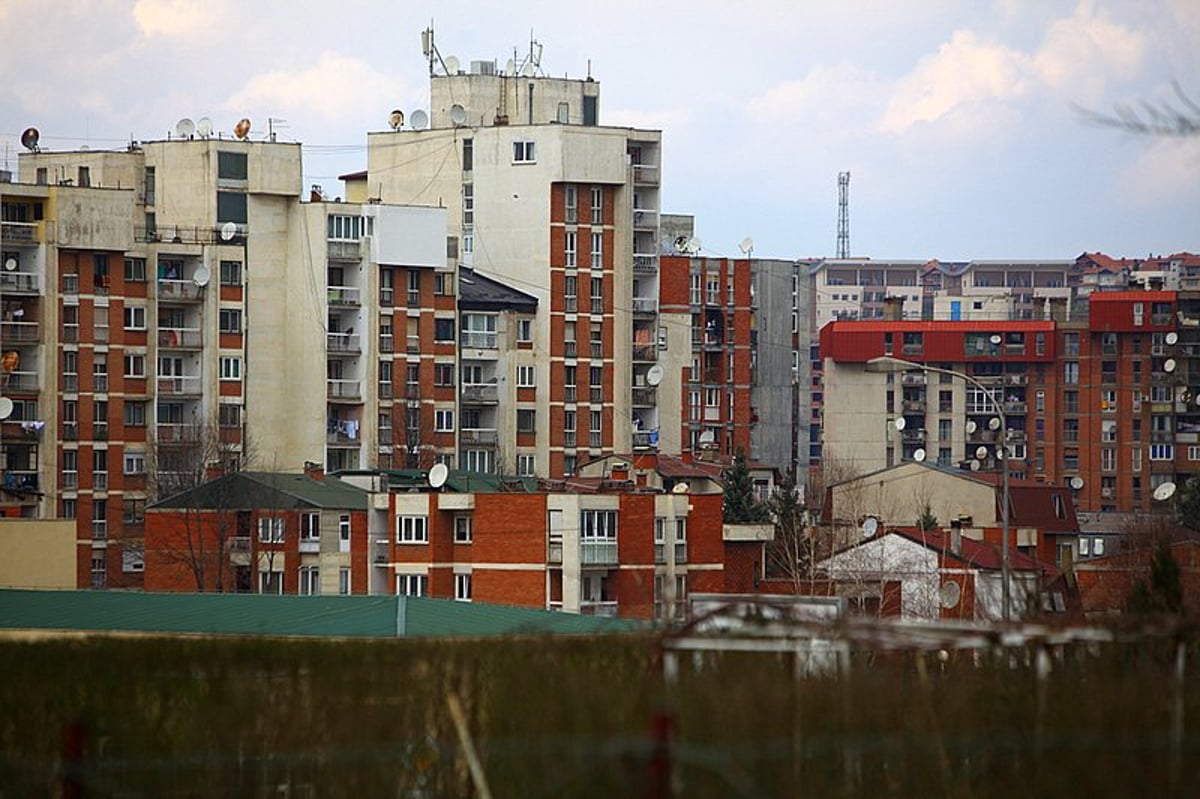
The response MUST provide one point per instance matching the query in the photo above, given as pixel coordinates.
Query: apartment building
(543, 198)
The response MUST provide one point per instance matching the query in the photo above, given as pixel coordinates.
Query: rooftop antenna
(272, 123)
(843, 227)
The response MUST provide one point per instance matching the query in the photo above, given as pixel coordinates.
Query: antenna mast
(843, 226)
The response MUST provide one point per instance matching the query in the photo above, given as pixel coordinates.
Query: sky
(958, 120)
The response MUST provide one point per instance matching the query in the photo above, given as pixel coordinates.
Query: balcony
(183, 338)
(477, 437)
(179, 291)
(913, 406)
(343, 250)
(21, 383)
(479, 340)
(645, 439)
(910, 436)
(480, 393)
(344, 296)
(607, 609)
(20, 233)
(180, 386)
(602, 552)
(20, 332)
(349, 343)
(645, 353)
(645, 263)
(645, 305)
(188, 234)
(1015, 408)
(643, 397)
(239, 543)
(19, 282)
(343, 389)
(645, 218)
(912, 379)
(1016, 380)
(645, 174)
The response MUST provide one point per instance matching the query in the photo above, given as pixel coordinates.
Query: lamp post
(888, 364)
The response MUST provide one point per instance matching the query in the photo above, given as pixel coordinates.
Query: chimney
(893, 309)
(314, 471)
(213, 470)
(620, 471)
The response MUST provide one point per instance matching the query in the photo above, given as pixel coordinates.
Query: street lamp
(888, 364)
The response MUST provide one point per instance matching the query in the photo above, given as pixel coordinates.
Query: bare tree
(177, 465)
(791, 554)
(1177, 117)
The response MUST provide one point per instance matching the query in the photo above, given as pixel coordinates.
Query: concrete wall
(37, 553)
(772, 394)
(896, 496)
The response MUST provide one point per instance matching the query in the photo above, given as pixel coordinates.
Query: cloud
(178, 17)
(335, 88)
(964, 71)
(1167, 170)
(1081, 52)
(842, 95)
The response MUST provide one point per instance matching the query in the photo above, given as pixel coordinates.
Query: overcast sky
(954, 118)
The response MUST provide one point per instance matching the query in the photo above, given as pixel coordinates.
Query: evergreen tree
(927, 521)
(1164, 591)
(740, 504)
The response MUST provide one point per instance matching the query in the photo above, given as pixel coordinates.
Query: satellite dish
(949, 594)
(681, 488)
(996, 338)
(228, 231)
(1164, 492)
(202, 276)
(974, 464)
(420, 120)
(510, 68)
(438, 474)
(527, 69)
(242, 128)
(1197, 394)
(10, 264)
(184, 128)
(396, 119)
(1169, 365)
(1077, 483)
(6, 407)
(901, 423)
(707, 437)
(30, 138)
(981, 452)
(204, 127)
(458, 114)
(1172, 337)
(747, 246)
(693, 245)
(994, 423)
(919, 455)
(870, 526)
(451, 64)
(654, 375)
(971, 427)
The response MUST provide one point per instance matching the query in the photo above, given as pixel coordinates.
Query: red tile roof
(970, 552)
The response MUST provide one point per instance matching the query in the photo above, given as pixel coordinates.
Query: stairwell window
(231, 368)
(523, 152)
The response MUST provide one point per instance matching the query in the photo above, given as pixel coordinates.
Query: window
(135, 270)
(343, 227)
(526, 376)
(1193, 453)
(135, 317)
(231, 207)
(443, 330)
(1162, 452)
(598, 525)
(1039, 401)
(1071, 431)
(597, 250)
(99, 571)
(1071, 344)
(1135, 459)
(526, 465)
(229, 415)
(310, 581)
(524, 331)
(571, 204)
(231, 166)
(231, 273)
(135, 365)
(412, 584)
(1108, 431)
(1071, 372)
(135, 463)
(443, 284)
(479, 330)
(230, 320)
(696, 294)
(344, 531)
(570, 244)
(443, 374)
(523, 152)
(526, 420)
(270, 529)
(310, 527)
(462, 587)
(100, 374)
(570, 294)
(462, 529)
(135, 414)
(270, 582)
(344, 580)
(597, 205)
(945, 401)
(85, 176)
(468, 204)
(443, 420)
(1108, 459)
(231, 367)
(412, 530)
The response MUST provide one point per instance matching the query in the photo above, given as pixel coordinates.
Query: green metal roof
(269, 490)
(253, 614)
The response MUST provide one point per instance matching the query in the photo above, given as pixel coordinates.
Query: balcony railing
(19, 282)
(180, 386)
(607, 609)
(344, 389)
(645, 263)
(343, 250)
(645, 352)
(344, 295)
(646, 305)
(645, 174)
(19, 332)
(179, 290)
(480, 392)
(913, 379)
(643, 396)
(645, 217)
(19, 232)
(476, 436)
(346, 342)
(21, 382)
(239, 543)
(180, 337)
(644, 439)
(598, 553)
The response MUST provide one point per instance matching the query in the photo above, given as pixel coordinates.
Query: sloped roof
(477, 292)
(254, 614)
(258, 490)
(970, 552)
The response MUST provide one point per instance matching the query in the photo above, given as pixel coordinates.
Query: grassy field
(586, 717)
